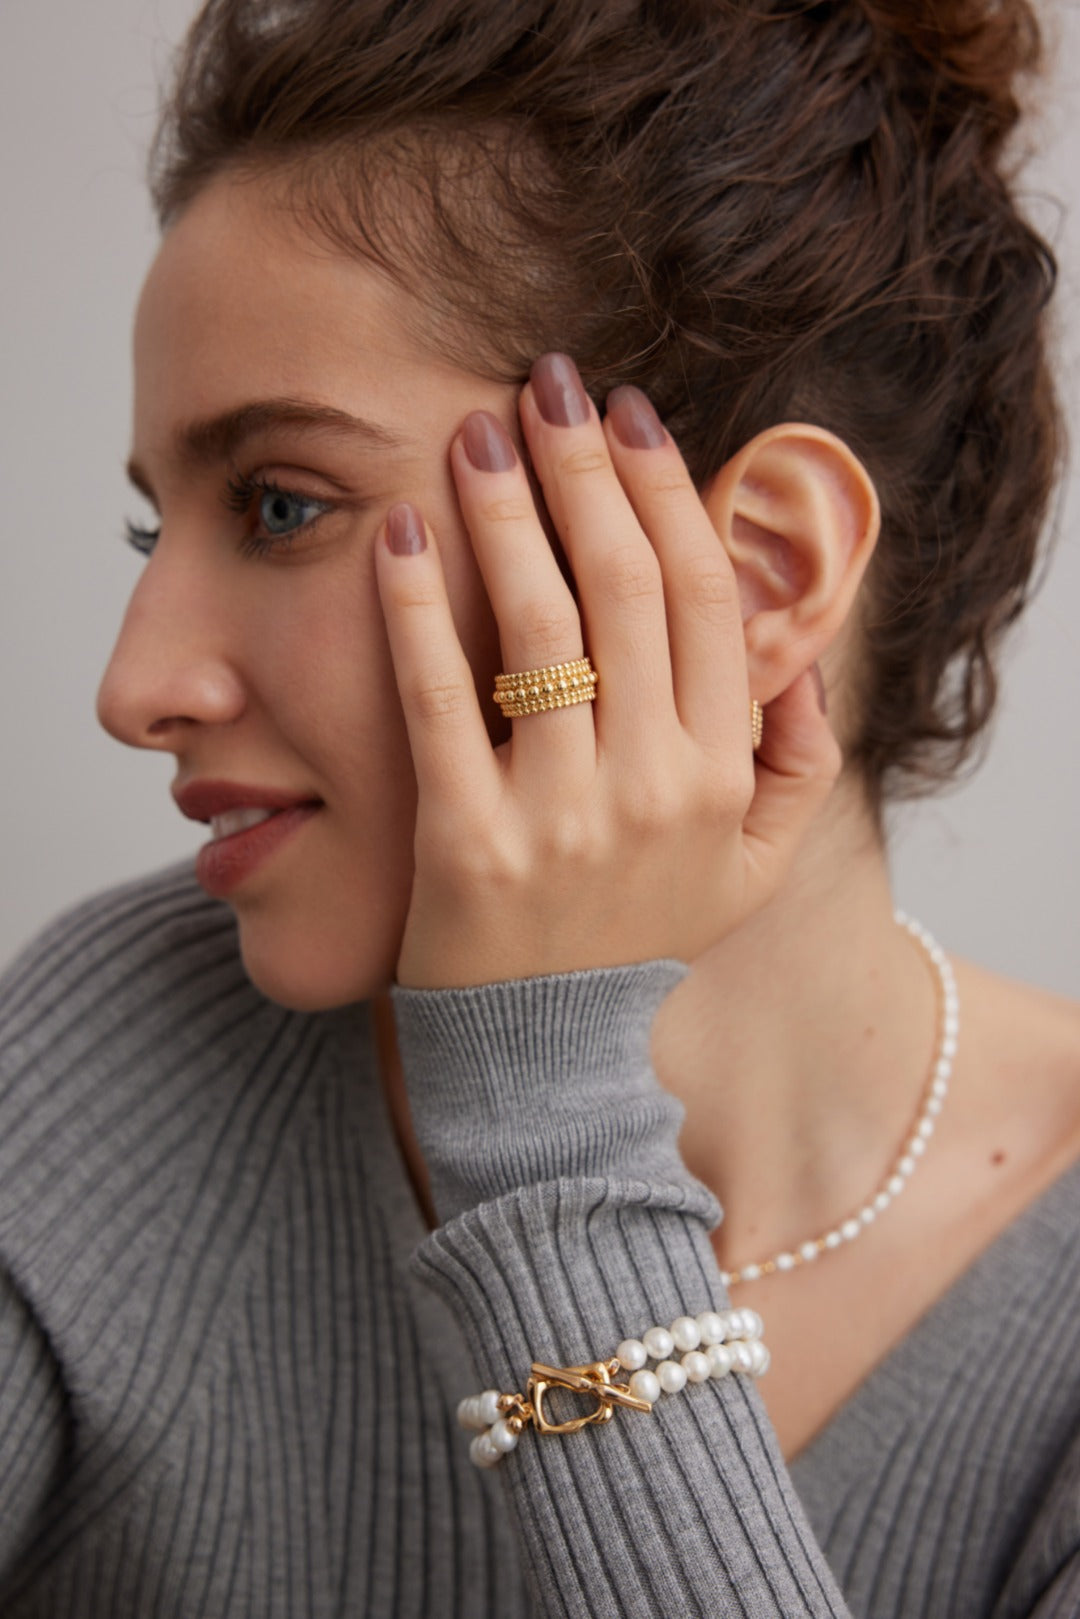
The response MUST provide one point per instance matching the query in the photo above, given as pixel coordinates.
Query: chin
(310, 971)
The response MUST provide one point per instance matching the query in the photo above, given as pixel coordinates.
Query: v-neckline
(974, 1295)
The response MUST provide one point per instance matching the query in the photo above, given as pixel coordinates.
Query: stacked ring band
(558, 685)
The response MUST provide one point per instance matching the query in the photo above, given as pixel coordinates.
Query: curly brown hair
(756, 210)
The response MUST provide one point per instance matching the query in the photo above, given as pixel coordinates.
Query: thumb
(796, 768)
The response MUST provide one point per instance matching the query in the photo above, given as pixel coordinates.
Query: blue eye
(282, 512)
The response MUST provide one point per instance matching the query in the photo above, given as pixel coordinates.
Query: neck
(801, 1045)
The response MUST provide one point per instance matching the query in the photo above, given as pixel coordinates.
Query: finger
(796, 768)
(451, 749)
(538, 619)
(619, 584)
(701, 595)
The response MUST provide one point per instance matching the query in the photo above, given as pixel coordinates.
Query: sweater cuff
(535, 1079)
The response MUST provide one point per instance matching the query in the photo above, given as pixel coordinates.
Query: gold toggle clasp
(595, 1380)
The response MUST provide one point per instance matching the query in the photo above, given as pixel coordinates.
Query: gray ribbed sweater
(230, 1352)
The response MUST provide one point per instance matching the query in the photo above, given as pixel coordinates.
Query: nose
(172, 667)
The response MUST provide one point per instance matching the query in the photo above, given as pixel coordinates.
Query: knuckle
(735, 790)
(587, 459)
(653, 807)
(567, 838)
(510, 510)
(630, 575)
(547, 632)
(709, 586)
(435, 697)
(669, 483)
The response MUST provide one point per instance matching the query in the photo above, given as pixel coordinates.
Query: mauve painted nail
(635, 422)
(404, 530)
(561, 399)
(487, 445)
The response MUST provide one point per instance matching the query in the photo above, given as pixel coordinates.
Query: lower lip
(222, 865)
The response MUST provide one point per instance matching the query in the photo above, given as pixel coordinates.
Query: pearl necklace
(913, 1148)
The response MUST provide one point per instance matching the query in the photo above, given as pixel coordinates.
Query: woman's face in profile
(254, 646)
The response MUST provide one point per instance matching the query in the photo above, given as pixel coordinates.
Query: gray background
(990, 868)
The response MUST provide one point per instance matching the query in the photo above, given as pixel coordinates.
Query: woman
(504, 997)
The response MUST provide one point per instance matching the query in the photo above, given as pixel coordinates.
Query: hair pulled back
(756, 210)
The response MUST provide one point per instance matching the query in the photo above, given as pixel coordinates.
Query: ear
(799, 516)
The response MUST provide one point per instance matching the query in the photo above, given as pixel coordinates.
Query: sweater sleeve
(569, 1222)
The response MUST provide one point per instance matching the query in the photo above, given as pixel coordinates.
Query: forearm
(569, 1223)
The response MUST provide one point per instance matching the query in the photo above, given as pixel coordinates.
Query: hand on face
(638, 826)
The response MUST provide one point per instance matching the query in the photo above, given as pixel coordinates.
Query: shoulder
(132, 929)
(128, 1029)
(142, 961)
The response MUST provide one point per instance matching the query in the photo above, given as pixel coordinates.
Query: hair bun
(976, 50)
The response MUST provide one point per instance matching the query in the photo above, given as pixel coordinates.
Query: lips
(249, 825)
(205, 800)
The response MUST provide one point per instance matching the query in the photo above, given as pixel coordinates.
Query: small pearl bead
(895, 1185)
(833, 1239)
(905, 1166)
(488, 1407)
(948, 1046)
(754, 1324)
(685, 1332)
(934, 1106)
(742, 1359)
(785, 1261)
(659, 1343)
(671, 1376)
(725, 1278)
(882, 1201)
(868, 1215)
(751, 1273)
(850, 1230)
(925, 1128)
(696, 1365)
(719, 1359)
(760, 1357)
(632, 1354)
(939, 1088)
(809, 1251)
(916, 1146)
(468, 1413)
(483, 1452)
(503, 1437)
(645, 1386)
(711, 1326)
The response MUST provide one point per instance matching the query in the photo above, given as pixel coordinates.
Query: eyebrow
(213, 439)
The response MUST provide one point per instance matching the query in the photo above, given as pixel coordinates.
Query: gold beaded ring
(559, 685)
(556, 685)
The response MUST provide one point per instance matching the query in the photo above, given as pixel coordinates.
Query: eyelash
(241, 490)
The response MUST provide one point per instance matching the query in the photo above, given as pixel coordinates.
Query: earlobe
(799, 516)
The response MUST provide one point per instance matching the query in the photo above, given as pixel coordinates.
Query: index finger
(451, 749)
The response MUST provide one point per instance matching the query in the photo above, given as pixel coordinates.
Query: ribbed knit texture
(230, 1352)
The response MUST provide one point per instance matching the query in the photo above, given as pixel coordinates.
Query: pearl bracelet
(711, 1345)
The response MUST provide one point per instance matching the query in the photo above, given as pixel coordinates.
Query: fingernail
(487, 444)
(561, 399)
(820, 684)
(635, 422)
(405, 530)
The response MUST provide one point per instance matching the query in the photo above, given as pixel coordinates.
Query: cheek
(327, 676)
